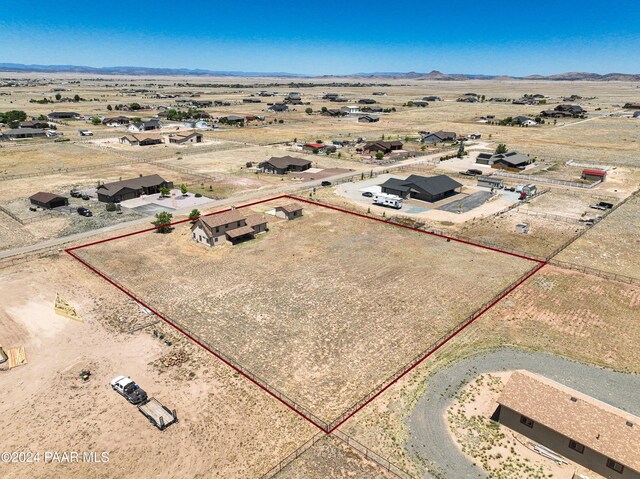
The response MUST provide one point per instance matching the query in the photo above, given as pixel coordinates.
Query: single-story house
(631, 106)
(511, 159)
(420, 103)
(60, 115)
(278, 107)
(116, 121)
(438, 136)
(368, 119)
(333, 112)
(230, 226)
(589, 432)
(423, 188)
(251, 100)
(283, 165)
(201, 103)
(564, 111)
(385, 147)
(432, 98)
(23, 133)
(48, 200)
(367, 101)
(133, 188)
(232, 119)
(351, 109)
(34, 124)
(592, 174)
(186, 137)
(371, 109)
(142, 140)
(290, 211)
(524, 120)
(141, 126)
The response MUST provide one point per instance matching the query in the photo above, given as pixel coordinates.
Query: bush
(111, 207)
(198, 195)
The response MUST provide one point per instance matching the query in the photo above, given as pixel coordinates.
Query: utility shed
(591, 174)
(589, 432)
(290, 211)
(48, 200)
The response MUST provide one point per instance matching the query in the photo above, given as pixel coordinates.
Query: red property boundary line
(331, 428)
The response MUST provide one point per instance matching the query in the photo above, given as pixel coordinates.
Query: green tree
(460, 153)
(194, 214)
(379, 155)
(162, 222)
(58, 96)
(109, 107)
(164, 191)
(308, 110)
(316, 151)
(324, 109)
(135, 106)
(13, 118)
(183, 189)
(95, 120)
(76, 97)
(501, 149)
(136, 119)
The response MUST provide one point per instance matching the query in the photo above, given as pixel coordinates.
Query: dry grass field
(569, 314)
(611, 245)
(323, 308)
(227, 427)
(330, 458)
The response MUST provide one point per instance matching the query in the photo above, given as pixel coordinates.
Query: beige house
(186, 137)
(290, 211)
(229, 227)
(586, 431)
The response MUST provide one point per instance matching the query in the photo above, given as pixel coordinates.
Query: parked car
(85, 197)
(75, 194)
(326, 183)
(129, 390)
(84, 212)
(368, 194)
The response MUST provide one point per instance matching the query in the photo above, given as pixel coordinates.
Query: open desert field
(612, 244)
(354, 297)
(226, 424)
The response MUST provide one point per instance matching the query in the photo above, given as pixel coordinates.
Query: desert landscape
(327, 344)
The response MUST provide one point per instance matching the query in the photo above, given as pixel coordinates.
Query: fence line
(423, 354)
(303, 411)
(539, 179)
(375, 457)
(293, 456)
(595, 272)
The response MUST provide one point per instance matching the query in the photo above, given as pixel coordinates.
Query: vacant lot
(228, 428)
(612, 244)
(330, 458)
(324, 308)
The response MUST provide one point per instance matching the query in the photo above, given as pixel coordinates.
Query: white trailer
(385, 199)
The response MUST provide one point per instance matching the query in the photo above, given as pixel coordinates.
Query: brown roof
(255, 220)
(286, 161)
(43, 197)
(291, 207)
(221, 219)
(186, 135)
(597, 425)
(241, 231)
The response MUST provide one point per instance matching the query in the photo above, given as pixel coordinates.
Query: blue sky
(456, 36)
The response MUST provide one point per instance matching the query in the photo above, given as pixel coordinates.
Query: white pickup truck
(128, 389)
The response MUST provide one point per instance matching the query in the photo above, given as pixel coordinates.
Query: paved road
(287, 188)
(429, 437)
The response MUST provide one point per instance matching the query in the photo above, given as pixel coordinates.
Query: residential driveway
(429, 438)
(467, 203)
(152, 209)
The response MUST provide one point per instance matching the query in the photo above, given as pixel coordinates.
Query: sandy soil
(287, 324)
(228, 427)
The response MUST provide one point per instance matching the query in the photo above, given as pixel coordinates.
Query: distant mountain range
(433, 75)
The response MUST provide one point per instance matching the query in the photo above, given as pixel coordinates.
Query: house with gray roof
(283, 165)
(511, 159)
(431, 189)
(127, 189)
(22, 133)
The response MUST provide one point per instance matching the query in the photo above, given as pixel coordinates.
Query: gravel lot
(431, 441)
